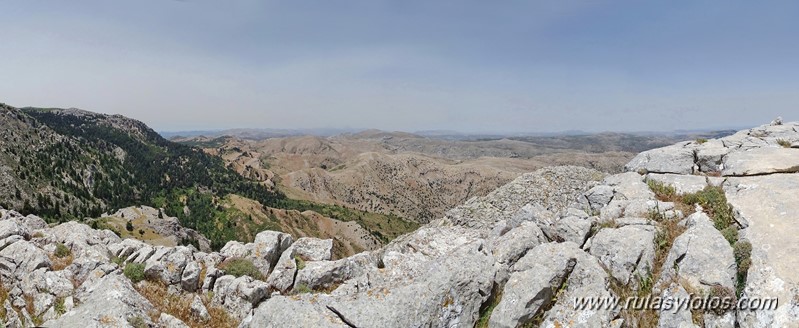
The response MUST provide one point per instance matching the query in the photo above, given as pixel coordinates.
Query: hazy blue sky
(407, 65)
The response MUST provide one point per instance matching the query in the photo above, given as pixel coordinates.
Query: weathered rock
(511, 246)
(446, 293)
(768, 204)
(553, 188)
(322, 275)
(599, 196)
(20, 259)
(168, 321)
(710, 156)
(112, 302)
(305, 249)
(629, 186)
(628, 252)
(239, 295)
(588, 279)
(761, 161)
(531, 289)
(570, 228)
(702, 257)
(191, 277)
(13, 228)
(684, 184)
(198, 309)
(282, 311)
(167, 264)
(678, 159)
(675, 316)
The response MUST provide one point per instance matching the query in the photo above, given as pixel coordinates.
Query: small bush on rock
(134, 272)
(241, 267)
(62, 251)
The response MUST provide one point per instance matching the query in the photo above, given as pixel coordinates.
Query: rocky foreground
(516, 257)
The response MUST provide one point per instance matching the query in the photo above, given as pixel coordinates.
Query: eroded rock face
(628, 252)
(701, 256)
(112, 302)
(532, 286)
(540, 242)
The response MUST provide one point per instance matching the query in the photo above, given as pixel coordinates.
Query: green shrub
(118, 261)
(701, 140)
(713, 200)
(302, 289)
(59, 306)
(134, 272)
(241, 267)
(62, 251)
(731, 234)
(300, 262)
(743, 258)
(742, 250)
(663, 191)
(784, 143)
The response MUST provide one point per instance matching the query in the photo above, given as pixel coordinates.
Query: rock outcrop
(522, 255)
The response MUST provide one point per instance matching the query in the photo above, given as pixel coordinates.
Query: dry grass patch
(61, 258)
(180, 306)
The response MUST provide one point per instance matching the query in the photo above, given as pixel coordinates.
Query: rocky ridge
(518, 256)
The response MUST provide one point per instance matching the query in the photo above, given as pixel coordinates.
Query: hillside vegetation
(70, 164)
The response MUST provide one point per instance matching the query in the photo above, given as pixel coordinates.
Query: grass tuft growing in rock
(743, 257)
(784, 143)
(713, 200)
(61, 258)
(662, 191)
(180, 307)
(487, 309)
(134, 272)
(241, 267)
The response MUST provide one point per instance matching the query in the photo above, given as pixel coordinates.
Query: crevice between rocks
(341, 317)
(791, 170)
(538, 316)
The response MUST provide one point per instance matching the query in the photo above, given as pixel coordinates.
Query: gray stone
(761, 161)
(168, 321)
(702, 257)
(20, 259)
(675, 316)
(678, 159)
(305, 249)
(322, 275)
(111, 302)
(190, 277)
(447, 292)
(769, 204)
(167, 264)
(281, 311)
(629, 186)
(683, 184)
(11, 228)
(511, 246)
(599, 196)
(530, 290)
(628, 252)
(198, 309)
(587, 279)
(239, 295)
(571, 229)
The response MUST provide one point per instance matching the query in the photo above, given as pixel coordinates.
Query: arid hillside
(414, 177)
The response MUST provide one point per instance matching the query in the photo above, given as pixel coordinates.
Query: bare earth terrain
(414, 177)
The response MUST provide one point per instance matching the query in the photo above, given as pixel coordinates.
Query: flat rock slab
(685, 184)
(761, 161)
(769, 204)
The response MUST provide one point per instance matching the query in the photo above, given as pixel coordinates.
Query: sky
(408, 65)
